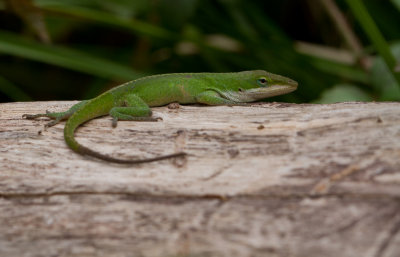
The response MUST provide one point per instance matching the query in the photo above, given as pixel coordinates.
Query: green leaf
(396, 3)
(343, 93)
(64, 57)
(140, 27)
(383, 80)
(371, 29)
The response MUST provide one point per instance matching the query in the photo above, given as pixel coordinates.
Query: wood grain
(270, 179)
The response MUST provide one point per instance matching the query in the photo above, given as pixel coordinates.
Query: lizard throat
(255, 94)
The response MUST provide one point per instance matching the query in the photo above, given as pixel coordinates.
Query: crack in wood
(325, 184)
(207, 196)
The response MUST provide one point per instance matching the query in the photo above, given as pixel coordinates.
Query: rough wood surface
(269, 179)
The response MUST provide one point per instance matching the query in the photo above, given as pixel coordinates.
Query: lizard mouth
(273, 90)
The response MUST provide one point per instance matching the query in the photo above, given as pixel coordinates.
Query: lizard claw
(114, 122)
(53, 122)
(32, 116)
(50, 124)
(173, 105)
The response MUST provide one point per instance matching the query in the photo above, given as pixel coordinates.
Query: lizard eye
(262, 82)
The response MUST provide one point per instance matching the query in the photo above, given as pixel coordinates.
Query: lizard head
(259, 84)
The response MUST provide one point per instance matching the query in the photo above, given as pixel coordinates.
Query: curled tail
(94, 108)
(87, 151)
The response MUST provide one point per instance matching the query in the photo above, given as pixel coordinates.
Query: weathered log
(270, 179)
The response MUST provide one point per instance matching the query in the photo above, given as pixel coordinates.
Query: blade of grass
(140, 27)
(64, 57)
(32, 17)
(342, 25)
(396, 3)
(136, 26)
(367, 23)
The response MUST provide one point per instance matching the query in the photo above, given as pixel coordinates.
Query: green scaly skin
(132, 100)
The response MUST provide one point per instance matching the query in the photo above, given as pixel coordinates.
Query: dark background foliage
(76, 49)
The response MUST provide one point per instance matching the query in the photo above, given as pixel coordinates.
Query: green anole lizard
(132, 100)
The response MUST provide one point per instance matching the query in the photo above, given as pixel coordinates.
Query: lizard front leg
(134, 109)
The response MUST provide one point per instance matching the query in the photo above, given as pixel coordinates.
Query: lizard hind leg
(56, 116)
(135, 109)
